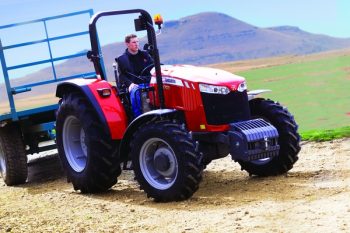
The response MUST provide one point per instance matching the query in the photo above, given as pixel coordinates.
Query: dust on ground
(313, 197)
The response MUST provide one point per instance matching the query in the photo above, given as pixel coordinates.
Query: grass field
(326, 135)
(316, 89)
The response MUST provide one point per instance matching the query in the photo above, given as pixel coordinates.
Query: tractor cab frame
(144, 22)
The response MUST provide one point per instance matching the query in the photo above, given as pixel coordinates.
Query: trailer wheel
(88, 155)
(165, 162)
(288, 139)
(13, 159)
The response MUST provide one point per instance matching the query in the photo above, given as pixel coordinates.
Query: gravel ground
(313, 197)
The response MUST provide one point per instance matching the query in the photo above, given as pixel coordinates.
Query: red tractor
(194, 115)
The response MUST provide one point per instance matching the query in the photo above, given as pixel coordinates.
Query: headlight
(242, 87)
(213, 89)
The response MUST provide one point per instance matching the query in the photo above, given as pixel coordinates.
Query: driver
(133, 71)
(132, 62)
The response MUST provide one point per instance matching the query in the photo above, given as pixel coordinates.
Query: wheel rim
(74, 143)
(2, 163)
(158, 163)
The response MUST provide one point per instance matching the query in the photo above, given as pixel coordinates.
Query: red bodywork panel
(181, 91)
(111, 107)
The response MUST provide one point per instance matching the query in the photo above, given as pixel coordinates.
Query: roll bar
(144, 22)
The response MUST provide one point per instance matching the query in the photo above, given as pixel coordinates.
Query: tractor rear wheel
(88, 155)
(288, 139)
(13, 159)
(165, 161)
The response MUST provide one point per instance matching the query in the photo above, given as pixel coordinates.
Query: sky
(329, 17)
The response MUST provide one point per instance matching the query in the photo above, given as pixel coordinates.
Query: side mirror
(158, 20)
(140, 24)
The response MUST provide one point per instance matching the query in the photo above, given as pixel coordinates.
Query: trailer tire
(165, 162)
(288, 139)
(13, 159)
(87, 153)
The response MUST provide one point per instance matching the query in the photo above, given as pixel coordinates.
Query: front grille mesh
(225, 109)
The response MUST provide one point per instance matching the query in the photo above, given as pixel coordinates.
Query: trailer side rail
(12, 90)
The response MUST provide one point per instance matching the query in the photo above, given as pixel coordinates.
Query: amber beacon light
(158, 20)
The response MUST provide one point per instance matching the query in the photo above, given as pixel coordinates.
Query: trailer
(26, 127)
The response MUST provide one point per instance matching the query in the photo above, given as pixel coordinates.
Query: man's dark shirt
(130, 65)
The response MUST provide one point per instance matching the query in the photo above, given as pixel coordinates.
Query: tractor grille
(225, 109)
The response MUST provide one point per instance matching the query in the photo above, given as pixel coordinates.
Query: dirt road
(313, 197)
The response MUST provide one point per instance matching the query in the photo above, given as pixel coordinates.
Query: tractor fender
(153, 115)
(253, 94)
(109, 110)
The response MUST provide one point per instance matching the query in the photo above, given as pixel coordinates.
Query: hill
(204, 39)
(212, 37)
(209, 38)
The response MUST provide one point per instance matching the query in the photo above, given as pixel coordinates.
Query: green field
(317, 92)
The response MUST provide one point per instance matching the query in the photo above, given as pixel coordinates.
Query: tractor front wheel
(288, 139)
(87, 153)
(165, 161)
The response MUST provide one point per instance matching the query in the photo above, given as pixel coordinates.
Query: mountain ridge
(208, 38)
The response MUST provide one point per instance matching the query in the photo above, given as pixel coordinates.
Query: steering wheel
(146, 69)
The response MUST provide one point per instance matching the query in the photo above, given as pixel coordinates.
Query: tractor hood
(200, 74)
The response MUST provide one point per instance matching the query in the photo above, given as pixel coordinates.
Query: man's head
(132, 43)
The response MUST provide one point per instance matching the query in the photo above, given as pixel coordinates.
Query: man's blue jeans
(135, 97)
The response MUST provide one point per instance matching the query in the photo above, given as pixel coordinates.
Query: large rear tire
(88, 155)
(13, 159)
(288, 139)
(165, 161)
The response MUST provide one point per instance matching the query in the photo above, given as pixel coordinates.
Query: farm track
(313, 196)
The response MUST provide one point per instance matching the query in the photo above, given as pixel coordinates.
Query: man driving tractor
(133, 73)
